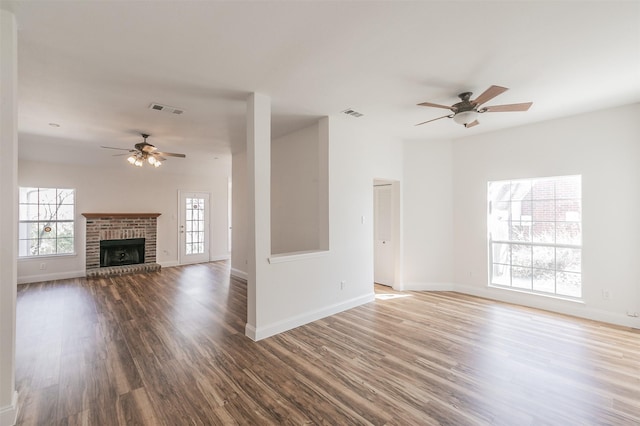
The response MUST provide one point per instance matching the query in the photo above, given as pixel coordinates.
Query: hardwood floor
(168, 348)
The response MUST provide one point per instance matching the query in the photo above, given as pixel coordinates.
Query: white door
(383, 250)
(193, 227)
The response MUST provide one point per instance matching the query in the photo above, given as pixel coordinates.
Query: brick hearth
(117, 226)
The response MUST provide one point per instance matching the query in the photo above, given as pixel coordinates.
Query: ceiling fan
(144, 151)
(467, 110)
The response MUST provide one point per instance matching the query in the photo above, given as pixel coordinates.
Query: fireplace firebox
(121, 252)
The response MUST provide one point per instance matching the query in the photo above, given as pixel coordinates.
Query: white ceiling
(95, 66)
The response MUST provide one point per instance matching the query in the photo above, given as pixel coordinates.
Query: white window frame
(510, 242)
(27, 218)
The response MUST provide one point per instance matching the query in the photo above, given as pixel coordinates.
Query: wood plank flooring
(168, 348)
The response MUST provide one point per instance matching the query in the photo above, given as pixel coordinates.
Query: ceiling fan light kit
(467, 110)
(144, 151)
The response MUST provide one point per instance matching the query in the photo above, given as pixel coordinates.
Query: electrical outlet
(343, 284)
(633, 314)
(606, 294)
(43, 266)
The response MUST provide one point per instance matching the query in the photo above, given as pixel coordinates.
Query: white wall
(604, 147)
(8, 215)
(428, 215)
(126, 189)
(240, 220)
(295, 219)
(300, 290)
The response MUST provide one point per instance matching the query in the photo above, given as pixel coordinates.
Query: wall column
(8, 216)
(259, 205)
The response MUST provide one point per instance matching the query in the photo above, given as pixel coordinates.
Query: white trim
(557, 305)
(218, 257)
(296, 255)
(237, 273)
(423, 286)
(302, 319)
(169, 264)
(26, 279)
(9, 413)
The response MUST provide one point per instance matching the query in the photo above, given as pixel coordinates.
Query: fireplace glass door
(194, 227)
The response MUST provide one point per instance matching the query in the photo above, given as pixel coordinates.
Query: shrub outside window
(535, 235)
(46, 224)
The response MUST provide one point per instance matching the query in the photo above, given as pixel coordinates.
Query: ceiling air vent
(166, 108)
(352, 113)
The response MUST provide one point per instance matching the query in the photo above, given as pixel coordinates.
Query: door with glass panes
(193, 227)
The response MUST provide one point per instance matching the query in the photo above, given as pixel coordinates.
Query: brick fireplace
(116, 230)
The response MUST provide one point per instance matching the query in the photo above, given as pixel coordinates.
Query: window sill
(46, 256)
(297, 255)
(534, 293)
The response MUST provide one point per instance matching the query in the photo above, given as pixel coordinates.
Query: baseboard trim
(422, 286)
(169, 264)
(9, 414)
(277, 327)
(218, 257)
(26, 279)
(559, 306)
(237, 273)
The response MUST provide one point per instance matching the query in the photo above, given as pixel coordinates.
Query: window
(535, 235)
(46, 222)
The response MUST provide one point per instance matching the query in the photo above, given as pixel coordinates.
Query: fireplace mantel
(120, 215)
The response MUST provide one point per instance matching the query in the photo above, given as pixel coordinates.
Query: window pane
(568, 210)
(521, 190)
(568, 233)
(29, 195)
(501, 253)
(569, 259)
(47, 196)
(542, 249)
(521, 277)
(65, 245)
(66, 196)
(28, 212)
(569, 187)
(521, 210)
(544, 211)
(521, 255)
(65, 212)
(569, 284)
(501, 274)
(543, 189)
(544, 280)
(47, 246)
(46, 221)
(544, 257)
(521, 231)
(65, 229)
(544, 232)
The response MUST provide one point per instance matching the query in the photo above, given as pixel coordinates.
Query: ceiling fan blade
(120, 155)
(429, 104)
(489, 94)
(169, 154)
(473, 123)
(111, 147)
(429, 121)
(511, 107)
